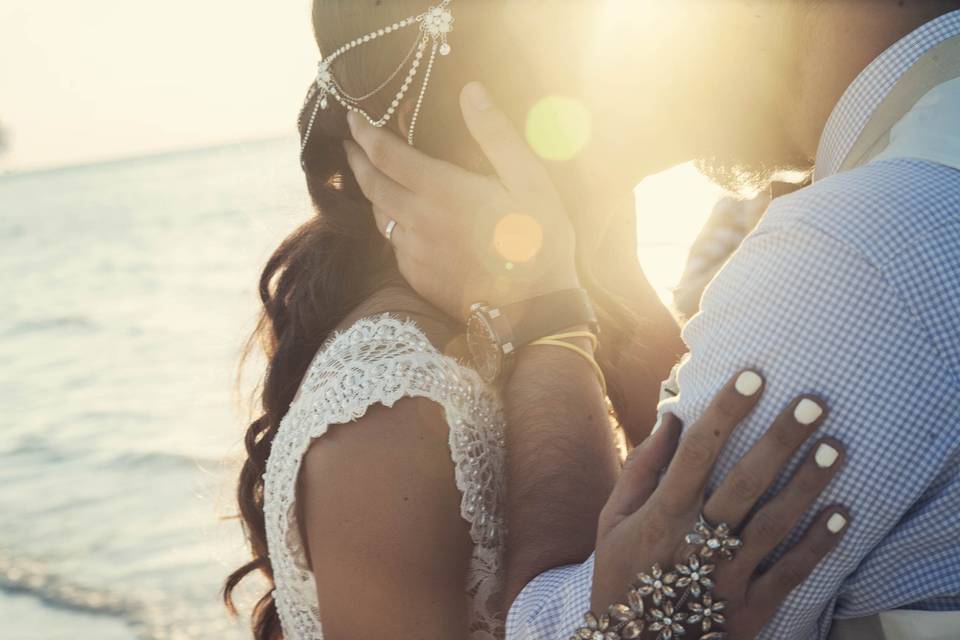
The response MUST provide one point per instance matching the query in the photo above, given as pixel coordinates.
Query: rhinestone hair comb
(433, 26)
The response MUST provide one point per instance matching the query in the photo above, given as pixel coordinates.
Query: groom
(849, 288)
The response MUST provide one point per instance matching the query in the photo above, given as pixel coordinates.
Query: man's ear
(405, 116)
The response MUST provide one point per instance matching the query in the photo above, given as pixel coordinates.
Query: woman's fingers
(774, 521)
(691, 466)
(641, 472)
(757, 470)
(769, 590)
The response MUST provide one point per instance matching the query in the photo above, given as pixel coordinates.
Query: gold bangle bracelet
(556, 341)
(575, 334)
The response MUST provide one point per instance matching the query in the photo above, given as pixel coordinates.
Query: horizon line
(14, 172)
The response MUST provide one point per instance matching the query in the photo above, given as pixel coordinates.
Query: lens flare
(517, 238)
(558, 128)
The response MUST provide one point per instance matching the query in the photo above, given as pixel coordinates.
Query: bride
(373, 492)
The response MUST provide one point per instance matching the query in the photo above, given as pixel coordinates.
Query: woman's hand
(646, 518)
(460, 237)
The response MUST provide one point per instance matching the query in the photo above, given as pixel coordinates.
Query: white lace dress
(381, 360)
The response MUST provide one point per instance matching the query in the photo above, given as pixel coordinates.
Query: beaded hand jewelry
(434, 25)
(669, 604)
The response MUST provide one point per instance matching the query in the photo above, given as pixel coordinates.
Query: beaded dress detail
(381, 360)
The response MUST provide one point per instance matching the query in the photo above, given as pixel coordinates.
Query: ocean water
(129, 288)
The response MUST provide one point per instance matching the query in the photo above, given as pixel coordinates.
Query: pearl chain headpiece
(435, 23)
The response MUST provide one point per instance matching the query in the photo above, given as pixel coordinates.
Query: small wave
(163, 459)
(149, 616)
(33, 578)
(70, 323)
(41, 448)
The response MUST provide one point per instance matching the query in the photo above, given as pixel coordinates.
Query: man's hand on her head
(460, 237)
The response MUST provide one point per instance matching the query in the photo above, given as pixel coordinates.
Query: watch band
(547, 314)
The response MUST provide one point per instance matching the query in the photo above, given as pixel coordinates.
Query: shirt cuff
(552, 605)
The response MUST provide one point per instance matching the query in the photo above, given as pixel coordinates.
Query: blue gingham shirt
(849, 289)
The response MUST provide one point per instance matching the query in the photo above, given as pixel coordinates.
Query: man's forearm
(561, 462)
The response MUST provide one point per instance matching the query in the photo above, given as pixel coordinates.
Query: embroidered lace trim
(381, 360)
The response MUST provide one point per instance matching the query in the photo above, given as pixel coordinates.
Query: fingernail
(352, 121)
(826, 456)
(807, 411)
(748, 383)
(478, 96)
(836, 523)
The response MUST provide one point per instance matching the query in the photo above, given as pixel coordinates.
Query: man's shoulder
(882, 210)
(878, 245)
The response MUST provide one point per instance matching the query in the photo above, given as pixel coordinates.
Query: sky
(105, 79)
(102, 79)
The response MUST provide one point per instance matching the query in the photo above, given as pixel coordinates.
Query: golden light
(517, 238)
(672, 207)
(558, 127)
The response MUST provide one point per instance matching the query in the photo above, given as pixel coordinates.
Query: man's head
(745, 86)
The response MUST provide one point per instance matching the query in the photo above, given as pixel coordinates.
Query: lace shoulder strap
(381, 360)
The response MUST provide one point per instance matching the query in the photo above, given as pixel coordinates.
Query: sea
(128, 289)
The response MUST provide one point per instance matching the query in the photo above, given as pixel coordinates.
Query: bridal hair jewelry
(433, 26)
(670, 604)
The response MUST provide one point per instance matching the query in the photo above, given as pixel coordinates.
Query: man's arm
(561, 462)
(816, 316)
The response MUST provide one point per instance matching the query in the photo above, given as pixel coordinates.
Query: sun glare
(558, 127)
(671, 208)
(518, 237)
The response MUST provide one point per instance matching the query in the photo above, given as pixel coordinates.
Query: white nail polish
(807, 411)
(836, 523)
(826, 456)
(748, 383)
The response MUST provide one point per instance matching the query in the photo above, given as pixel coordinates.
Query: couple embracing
(450, 335)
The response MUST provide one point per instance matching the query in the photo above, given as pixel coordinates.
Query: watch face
(484, 346)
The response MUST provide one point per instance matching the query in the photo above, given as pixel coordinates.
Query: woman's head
(338, 258)
(480, 49)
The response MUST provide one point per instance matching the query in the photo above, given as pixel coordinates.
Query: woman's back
(399, 508)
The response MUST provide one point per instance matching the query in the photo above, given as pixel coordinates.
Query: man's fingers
(757, 470)
(379, 188)
(769, 590)
(404, 164)
(384, 221)
(641, 471)
(691, 466)
(519, 169)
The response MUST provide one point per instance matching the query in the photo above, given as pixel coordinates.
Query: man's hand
(460, 237)
(646, 518)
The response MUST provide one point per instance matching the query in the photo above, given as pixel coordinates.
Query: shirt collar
(868, 90)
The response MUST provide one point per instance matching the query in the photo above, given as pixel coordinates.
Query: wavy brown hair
(338, 259)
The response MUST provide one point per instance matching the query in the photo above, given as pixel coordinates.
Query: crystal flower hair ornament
(433, 26)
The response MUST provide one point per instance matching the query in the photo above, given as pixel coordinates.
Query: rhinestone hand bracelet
(670, 604)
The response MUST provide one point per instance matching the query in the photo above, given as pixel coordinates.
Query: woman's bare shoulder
(381, 520)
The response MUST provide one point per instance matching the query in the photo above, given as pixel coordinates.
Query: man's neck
(844, 38)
